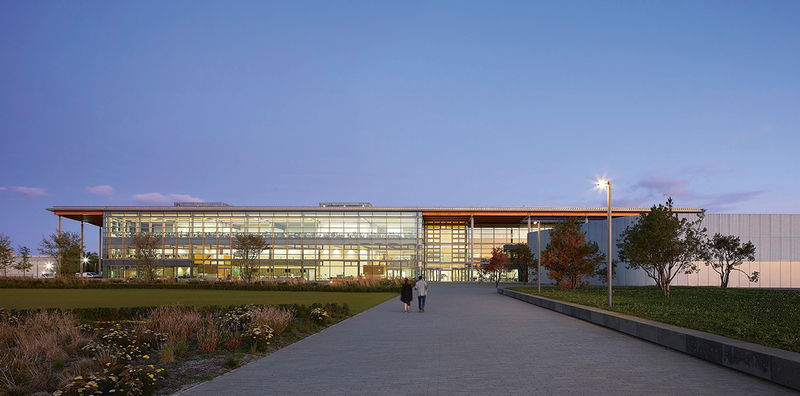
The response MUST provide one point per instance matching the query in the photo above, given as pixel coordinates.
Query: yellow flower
(146, 357)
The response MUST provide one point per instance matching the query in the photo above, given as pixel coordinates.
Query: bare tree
(24, 263)
(7, 258)
(146, 247)
(247, 250)
(65, 249)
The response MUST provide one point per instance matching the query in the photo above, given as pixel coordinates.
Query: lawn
(85, 298)
(761, 316)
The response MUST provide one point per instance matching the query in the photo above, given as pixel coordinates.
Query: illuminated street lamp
(84, 261)
(607, 184)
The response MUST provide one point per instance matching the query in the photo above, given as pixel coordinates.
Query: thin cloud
(664, 185)
(163, 200)
(747, 135)
(726, 202)
(653, 187)
(101, 190)
(28, 192)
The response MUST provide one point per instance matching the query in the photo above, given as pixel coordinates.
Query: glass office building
(332, 240)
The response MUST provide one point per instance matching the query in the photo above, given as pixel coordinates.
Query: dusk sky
(397, 103)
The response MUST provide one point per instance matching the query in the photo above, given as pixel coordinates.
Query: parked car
(87, 275)
(47, 275)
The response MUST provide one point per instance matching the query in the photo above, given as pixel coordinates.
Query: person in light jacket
(422, 292)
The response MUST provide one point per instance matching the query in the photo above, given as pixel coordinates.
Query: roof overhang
(93, 217)
(481, 215)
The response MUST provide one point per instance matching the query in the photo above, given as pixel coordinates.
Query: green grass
(761, 316)
(87, 298)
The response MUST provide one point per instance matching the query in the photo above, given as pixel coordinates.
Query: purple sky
(396, 103)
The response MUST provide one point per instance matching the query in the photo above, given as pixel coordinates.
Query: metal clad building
(775, 236)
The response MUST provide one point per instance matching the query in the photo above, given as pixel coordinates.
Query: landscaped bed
(761, 316)
(61, 337)
(155, 350)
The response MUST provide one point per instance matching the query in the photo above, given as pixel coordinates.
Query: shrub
(125, 343)
(127, 379)
(257, 337)
(231, 362)
(319, 316)
(356, 285)
(234, 319)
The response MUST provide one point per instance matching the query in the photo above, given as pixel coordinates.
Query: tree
(571, 260)
(146, 247)
(663, 245)
(725, 252)
(522, 257)
(247, 250)
(497, 264)
(24, 263)
(92, 261)
(7, 258)
(65, 249)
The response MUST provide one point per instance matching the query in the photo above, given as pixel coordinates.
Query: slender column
(539, 256)
(471, 244)
(100, 251)
(526, 243)
(82, 255)
(59, 249)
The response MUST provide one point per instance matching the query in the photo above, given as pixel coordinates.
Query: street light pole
(610, 266)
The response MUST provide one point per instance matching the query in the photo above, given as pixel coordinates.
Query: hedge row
(17, 283)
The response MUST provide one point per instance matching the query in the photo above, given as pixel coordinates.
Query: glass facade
(314, 245)
(447, 247)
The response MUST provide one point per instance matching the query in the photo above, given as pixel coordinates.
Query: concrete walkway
(473, 341)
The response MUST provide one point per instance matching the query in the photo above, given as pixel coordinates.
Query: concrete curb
(771, 364)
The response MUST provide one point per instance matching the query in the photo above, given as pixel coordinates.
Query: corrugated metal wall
(776, 237)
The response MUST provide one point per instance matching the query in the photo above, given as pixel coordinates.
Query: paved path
(473, 341)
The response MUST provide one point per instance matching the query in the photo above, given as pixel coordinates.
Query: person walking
(422, 292)
(406, 295)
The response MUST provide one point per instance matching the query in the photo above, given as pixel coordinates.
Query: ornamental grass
(34, 350)
(278, 319)
(176, 322)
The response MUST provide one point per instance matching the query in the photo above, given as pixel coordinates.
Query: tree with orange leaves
(497, 264)
(570, 260)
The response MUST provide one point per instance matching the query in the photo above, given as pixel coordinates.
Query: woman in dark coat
(406, 295)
